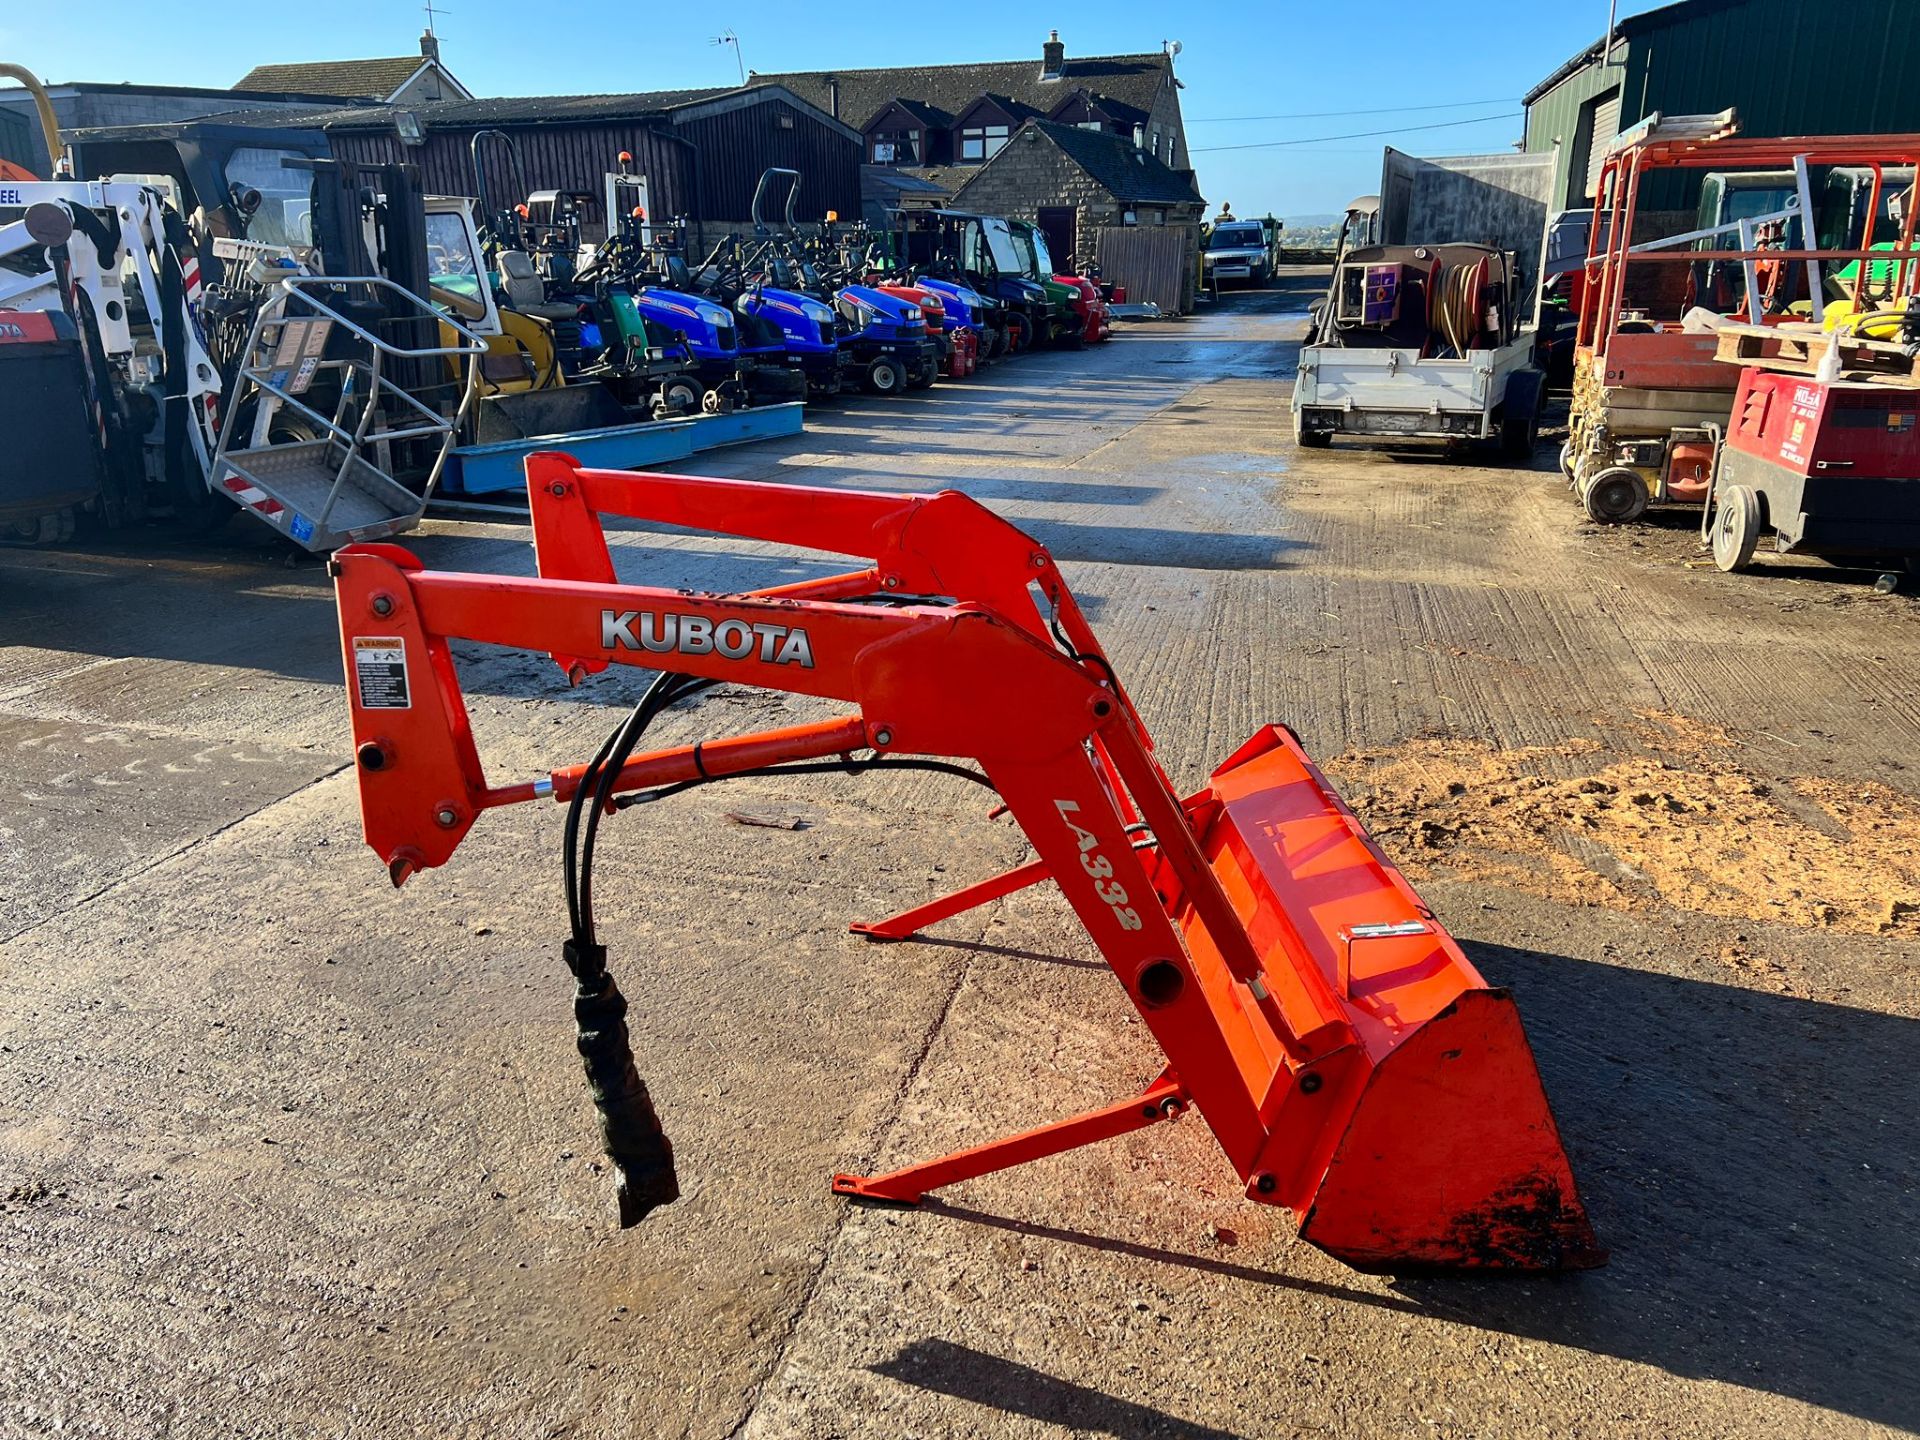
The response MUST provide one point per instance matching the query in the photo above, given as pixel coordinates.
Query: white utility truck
(1421, 342)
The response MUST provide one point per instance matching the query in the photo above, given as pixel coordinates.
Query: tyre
(1617, 496)
(1309, 439)
(1520, 416)
(680, 396)
(885, 376)
(56, 527)
(1736, 527)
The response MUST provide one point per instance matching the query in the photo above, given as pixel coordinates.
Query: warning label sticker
(380, 672)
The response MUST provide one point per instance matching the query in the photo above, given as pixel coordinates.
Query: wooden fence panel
(1154, 262)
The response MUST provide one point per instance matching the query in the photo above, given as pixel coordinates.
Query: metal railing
(363, 382)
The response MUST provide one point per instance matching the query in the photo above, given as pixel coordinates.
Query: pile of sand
(1675, 819)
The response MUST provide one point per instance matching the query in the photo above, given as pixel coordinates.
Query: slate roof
(523, 109)
(1131, 79)
(893, 185)
(1120, 110)
(349, 79)
(931, 116)
(1114, 162)
(476, 114)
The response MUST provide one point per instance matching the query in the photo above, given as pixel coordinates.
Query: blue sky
(1286, 59)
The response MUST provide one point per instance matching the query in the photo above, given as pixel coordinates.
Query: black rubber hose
(630, 1130)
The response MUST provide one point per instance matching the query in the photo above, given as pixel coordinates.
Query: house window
(1090, 125)
(896, 147)
(979, 142)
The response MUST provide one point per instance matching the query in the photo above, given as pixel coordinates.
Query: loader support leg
(1162, 1100)
(909, 923)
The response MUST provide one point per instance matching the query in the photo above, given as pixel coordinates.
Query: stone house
(940, 123)
(1075, 182)
(398, 80)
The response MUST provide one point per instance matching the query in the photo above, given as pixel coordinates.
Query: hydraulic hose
(1456, 307)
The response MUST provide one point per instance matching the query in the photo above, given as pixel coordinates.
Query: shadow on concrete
(1751, 1159)
(1009, 952)
(944, 1368)
(1177, 549)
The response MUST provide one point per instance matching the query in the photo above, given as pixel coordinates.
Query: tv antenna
(729, 38)
(433, 10)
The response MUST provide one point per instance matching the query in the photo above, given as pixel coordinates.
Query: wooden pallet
(1800, 352)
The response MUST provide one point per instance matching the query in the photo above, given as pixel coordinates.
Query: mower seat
(526, 292)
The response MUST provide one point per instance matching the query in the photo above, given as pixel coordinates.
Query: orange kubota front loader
(1351, 1062)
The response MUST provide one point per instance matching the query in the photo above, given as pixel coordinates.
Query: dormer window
(896, 147)
(982, 142)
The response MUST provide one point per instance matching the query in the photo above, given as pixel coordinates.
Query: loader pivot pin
(1348, 1058)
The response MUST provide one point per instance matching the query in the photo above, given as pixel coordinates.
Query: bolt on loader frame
(1349, 1059)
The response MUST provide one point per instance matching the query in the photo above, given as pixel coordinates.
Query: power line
(1357, 135)
(1335, 114)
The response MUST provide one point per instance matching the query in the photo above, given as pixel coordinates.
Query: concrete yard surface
(285, 1152)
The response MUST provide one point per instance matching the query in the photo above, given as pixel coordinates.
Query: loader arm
(942, 544)
(1349, 1060)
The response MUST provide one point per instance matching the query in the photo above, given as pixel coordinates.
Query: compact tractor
(977, 253)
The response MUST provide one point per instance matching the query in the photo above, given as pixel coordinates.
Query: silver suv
(1237, 250)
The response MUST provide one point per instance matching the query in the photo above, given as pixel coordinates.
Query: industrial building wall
(737, 141)
(552, 157)
(1560, 119)
(1499, 200)
(1790, 67)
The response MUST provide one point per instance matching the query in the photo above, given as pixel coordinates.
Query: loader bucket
(1436, 1148)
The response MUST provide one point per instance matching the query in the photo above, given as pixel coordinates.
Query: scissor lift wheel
(1615, 496)
(1736, 527)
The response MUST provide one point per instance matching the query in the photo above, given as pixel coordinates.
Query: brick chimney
(430, 45)
(1053, 57)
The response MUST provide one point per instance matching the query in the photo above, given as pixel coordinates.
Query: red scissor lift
(1650, 400)
(1349, 1059)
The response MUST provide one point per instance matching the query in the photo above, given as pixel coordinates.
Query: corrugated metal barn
(1790, 67)
(702, 151)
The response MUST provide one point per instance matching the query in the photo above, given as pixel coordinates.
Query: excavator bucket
(1346, 1055)
(1448, 1157)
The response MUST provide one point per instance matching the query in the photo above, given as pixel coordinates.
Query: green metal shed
(1790, 67)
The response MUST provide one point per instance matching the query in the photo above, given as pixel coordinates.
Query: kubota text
(699, 635)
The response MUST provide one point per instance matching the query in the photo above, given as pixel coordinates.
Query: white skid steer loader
(206, 329)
